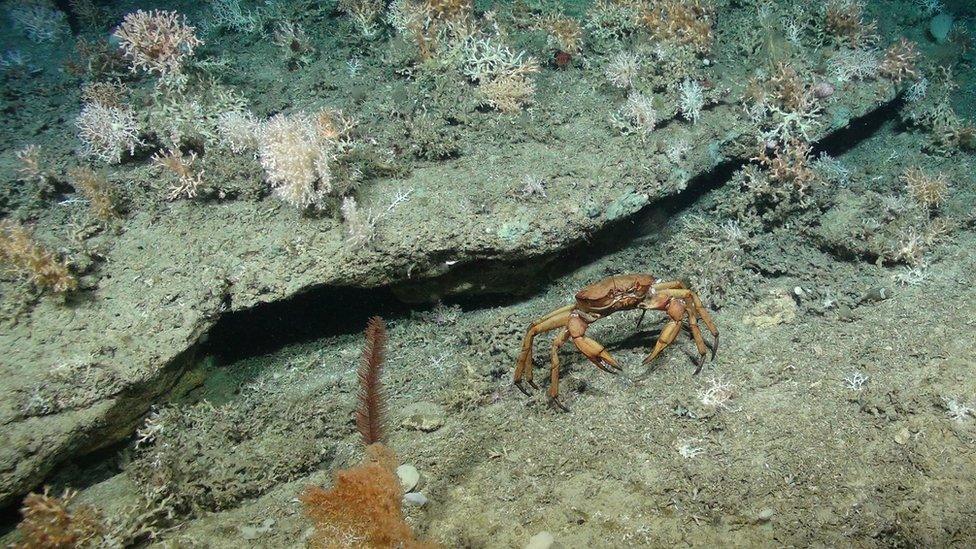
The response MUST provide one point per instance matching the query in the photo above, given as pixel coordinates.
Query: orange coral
(845, 20)
(446, 10)
(899, 61)
(96, 189)
(682, 22)
(48, 524)
(788, 88)
(790, 164)
(188, 180)
(928, 190)
(24, 256)
(565, 33)
(362, 509)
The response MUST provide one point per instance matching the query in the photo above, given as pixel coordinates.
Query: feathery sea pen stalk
(372, 399)
(362, 508)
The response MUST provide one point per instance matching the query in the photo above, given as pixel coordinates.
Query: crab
(600, 299)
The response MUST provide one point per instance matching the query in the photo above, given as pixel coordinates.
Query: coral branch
(48, 522)
(23, 256)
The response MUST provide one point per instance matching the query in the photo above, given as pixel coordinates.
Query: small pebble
(875, 295)
(902, 437)
(423, 416)
(415, 498)
(542, 540)
(845, 313)
(409, 477)
(765, 515)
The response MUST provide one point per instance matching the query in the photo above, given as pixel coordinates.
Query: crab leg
(560, 340)
(707, 319)
(697, 336)
(555, 319)
(594, 351)
(668, 335)
(676, 288)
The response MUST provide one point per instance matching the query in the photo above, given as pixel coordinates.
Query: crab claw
(554, 401)
(597, 354)
(522, 388)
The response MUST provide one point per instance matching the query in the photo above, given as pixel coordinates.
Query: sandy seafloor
(839, 411)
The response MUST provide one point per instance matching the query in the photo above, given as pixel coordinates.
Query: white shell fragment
(409, 477)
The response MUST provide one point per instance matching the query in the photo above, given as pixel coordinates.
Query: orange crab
(616, 293)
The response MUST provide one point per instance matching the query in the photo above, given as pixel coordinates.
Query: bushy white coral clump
(238, 131)
(918, 90)
(637, 115)
(609, 20)
(40, 23)
(486, 58)
(106, 132)
(296, 159)
(157, 41)
(691, 100)
(503, 75)
(296, 150)
(229, 14)
(930, 7)
(623, 69)
(854, 64)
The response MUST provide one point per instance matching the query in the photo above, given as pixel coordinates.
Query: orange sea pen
(371, 413)
(362, 508)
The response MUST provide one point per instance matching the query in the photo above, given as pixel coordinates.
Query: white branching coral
(361, 223)
(637, 115)
(503, 75)
(691, 100)
(917, 90)
(717, 394)
(229, 14)
(854, 64)
(404, 16)
(186, 179)
(623, 69)
(930, 7)
(486, 58)
(238, 131)
(610, 20)
(30, 164)
(107, 132)
(508, 93)
(40, 23)
(296, 150)
(365, 14)
(157, 41)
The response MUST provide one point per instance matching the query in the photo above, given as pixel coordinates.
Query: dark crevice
(309, 315)
(330, 310)
(841, 141)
